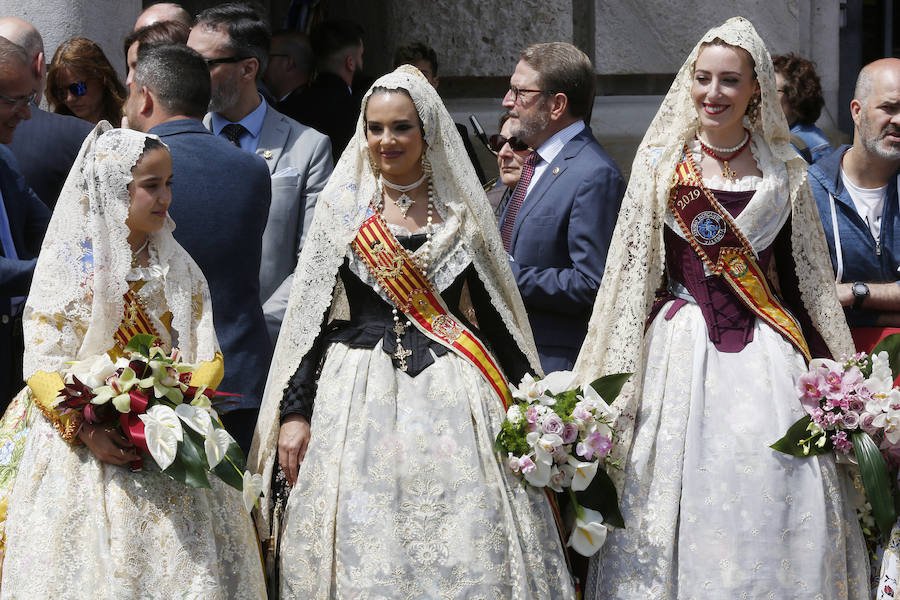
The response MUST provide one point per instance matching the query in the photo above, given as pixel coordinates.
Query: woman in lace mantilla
(399, 493)
(710, 509)
(80, 522)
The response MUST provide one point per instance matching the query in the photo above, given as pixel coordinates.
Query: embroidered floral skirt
(78, 528)
(401, 494)
(711, 511)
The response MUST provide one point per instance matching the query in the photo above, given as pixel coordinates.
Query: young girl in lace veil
(399, 493)
(80, 522)
(718, 209)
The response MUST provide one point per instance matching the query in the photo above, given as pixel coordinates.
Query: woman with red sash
(388, 384)
(717, 292)
(80, 522)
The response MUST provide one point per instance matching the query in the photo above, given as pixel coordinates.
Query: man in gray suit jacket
(46, 145)
(234, 40)
(220, 202)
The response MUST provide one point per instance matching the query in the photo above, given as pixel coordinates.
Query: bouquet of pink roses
(559, 437)
(148, 396)
(853, 409)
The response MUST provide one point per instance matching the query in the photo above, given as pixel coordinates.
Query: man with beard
(856, 193)
(559, 220)
(234, 41)
(220, 205)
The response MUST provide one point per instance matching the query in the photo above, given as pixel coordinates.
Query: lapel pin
(268, 155)
(556, 170)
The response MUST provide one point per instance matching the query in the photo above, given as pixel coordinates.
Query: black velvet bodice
(372, 321)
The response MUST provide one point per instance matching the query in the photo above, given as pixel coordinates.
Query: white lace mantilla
(636, 261)
(469, 236)
(75, 303)
(77, 527)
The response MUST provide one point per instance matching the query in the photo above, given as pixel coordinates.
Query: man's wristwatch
(860, 293)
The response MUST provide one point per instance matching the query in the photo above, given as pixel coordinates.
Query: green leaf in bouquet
(798, 441)
(511, 439)
(190, 462)
(232, 472)
(891, 345)
(609, 386)
(876, 481)
(141, 343)
(601, 496)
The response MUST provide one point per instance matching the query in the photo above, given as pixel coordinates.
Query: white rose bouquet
(559, 437)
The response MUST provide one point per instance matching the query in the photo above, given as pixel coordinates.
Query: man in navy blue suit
(220, 204)
(46, 145)
(559, 221)
(23, 220)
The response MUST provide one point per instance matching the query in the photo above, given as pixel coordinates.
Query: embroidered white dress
(401, 495)
(710, 510)
(80, 528)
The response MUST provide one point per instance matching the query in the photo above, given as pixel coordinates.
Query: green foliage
(798, 442)
(876, 481)
(512, 439)
(141, 343)
(190, 466)
(565, 403)
(601, 496)
(609, 386)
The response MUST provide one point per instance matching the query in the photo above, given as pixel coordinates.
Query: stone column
(106, 22)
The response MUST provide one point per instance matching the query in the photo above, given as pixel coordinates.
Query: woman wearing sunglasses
(81, 82)
(511, 153)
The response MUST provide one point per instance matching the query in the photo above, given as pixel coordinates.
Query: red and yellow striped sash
(725, 251)
(411, 292)
(134, 321)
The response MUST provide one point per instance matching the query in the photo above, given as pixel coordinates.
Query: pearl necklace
(735, 148)
(733, 152)
(404, 202)
(424, 255)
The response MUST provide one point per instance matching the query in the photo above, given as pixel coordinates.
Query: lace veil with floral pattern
(75, 303)
(635, 267)
(469, 235)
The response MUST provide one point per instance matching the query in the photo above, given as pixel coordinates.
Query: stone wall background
(636, 45)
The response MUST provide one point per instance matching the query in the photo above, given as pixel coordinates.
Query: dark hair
(503, 119)
(248, 33)
(410, 53)
(83, 55)
(161, 32)
(334, 36)
(177, 76)
(385, 90)
(296, 45)
(153, 143)
(801, 88)
(564, 69)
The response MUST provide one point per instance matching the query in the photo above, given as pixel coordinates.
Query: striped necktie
(515, 203)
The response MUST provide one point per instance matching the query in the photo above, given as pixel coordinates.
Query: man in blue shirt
(856, 193)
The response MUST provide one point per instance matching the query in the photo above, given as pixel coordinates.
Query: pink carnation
(841, 443)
